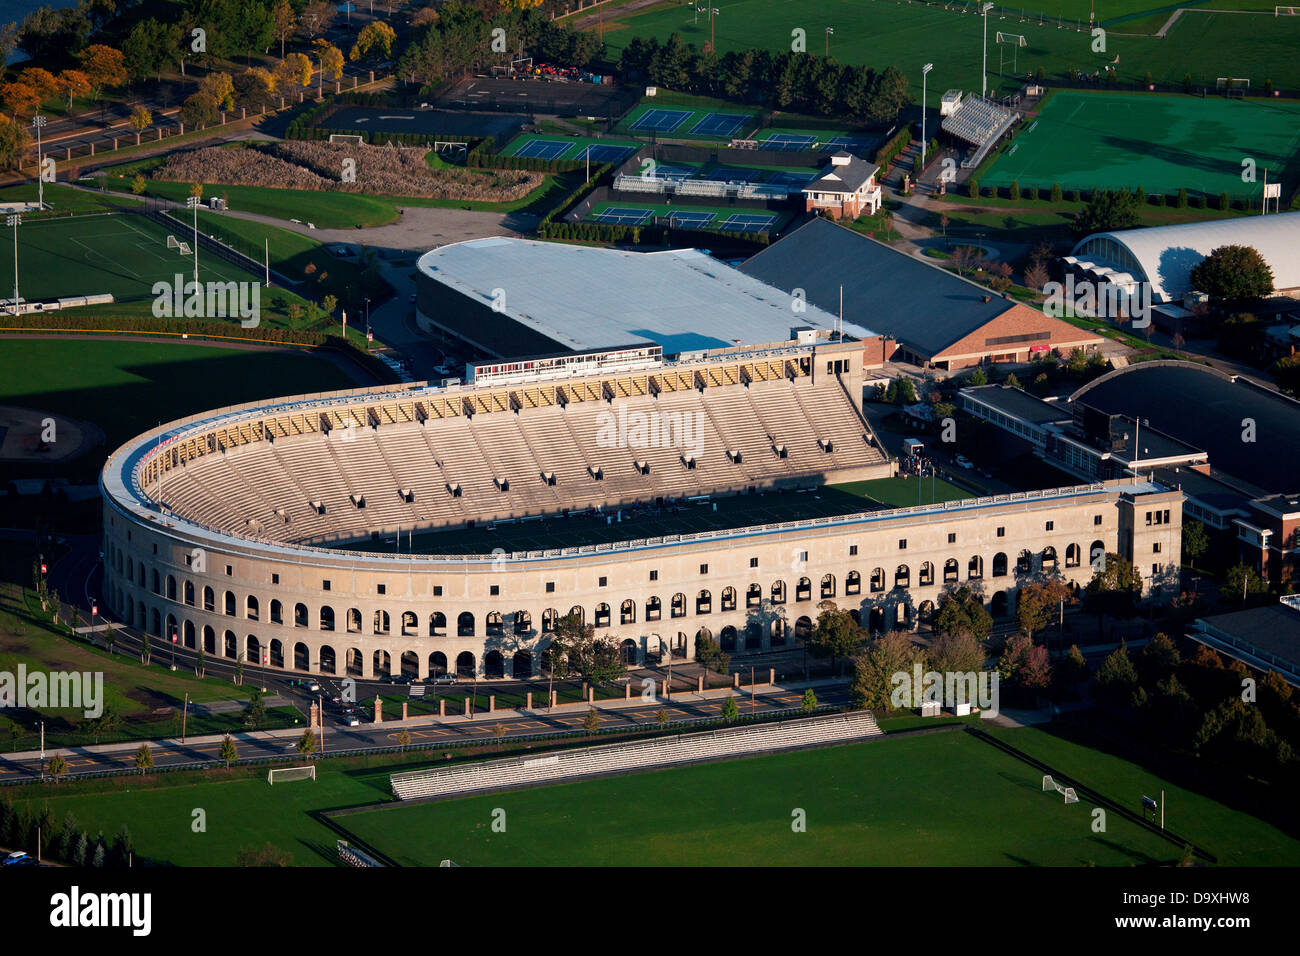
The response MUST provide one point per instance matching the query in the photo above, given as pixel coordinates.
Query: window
(494, 590)
(1002, 532)
(602, 582)
(853, 550)
(550, 587)
(952, 537)
(1155, 548)
(1051, 525)
(902, 544)
(704, 569)
(1155, 570)
(437, 590)
(382, 588)
(324, 585)
(753, 562)
(230, 571)
(155, 549)
(275, 579)
(1096, 519)
(803, 556)
(654, 575)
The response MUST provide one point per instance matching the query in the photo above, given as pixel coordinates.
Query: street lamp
(925, 72)
(194, 202)
(713, 12)
(39, 121)
(830, 31)
(984, 71)
(15, 221)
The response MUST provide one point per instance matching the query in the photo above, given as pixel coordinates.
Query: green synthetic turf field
(575, 149)
(1161, 143)
(882, 33)
(119, 254)
(943, 799)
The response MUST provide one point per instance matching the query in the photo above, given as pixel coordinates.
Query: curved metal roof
(1167, 254)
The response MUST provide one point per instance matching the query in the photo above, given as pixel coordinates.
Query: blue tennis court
(788, 142)
(734, 174)
(748, 222)
(689, 220)
(670, 171)
(661, 120)
(604, 154)
(719, 124)
(851, 142)
(623, 215)
(792, 179)
(544, 149)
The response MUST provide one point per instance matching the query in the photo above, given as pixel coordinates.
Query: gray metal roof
(1273, 629)
(587, 298)
(896, 294)
(1020, 404)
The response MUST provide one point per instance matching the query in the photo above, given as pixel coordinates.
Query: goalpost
(1286, 11)
(354, 138)
(174, 243)
(1013, 40)
(1050, 784)
(290, 773)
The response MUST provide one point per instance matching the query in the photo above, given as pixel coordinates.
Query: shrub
(1056, 192)
(973, 188)
(1013, 192)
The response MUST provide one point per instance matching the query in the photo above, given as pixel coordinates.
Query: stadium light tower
(830, 32)
(193, 203)
(925, 72)
(713, 12)
(38, 121)
(984, 71)
(15, 221)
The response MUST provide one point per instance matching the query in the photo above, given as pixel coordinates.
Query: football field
(1161, 143)
(122, 254)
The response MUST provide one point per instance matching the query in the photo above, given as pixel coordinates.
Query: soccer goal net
(182, 247)
(1286, 11)
(347, 138)
(284, 774)
(1050, 784)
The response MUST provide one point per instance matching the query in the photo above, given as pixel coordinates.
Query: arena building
(245, 530)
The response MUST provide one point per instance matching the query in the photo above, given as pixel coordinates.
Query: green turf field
(1162, 143)
(127, 386)
(577, 143)
(735, 511)
(884, 33)
(942, 799)
(123, 255)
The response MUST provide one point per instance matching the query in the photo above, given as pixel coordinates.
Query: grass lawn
(1086, 140)
(885, 33)
(903, 492)
(65, 201)
(127, 386)
(943, 799)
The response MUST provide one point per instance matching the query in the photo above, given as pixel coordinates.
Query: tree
(40, 81)
(729, 711)
(1116, 678)
(294, 71)
(875, 668)
(99, 857)
(594, 659)
(255, 88)
(1114, 589)
(307, 743)
(709, 653)
(1108, 210)
(316, 18)
(283, 23)
(809, 703)
(1158, 660)
(962, 611)
(198, 110)
(221, 88)
(104, 67)
(228, 752)
(1037, 277)
(498, 732)
(1239, 583)
(836, 634)
(591, 722)
(374, 42)
(1072, 669)
(239, 670)
(255, 711)
(661, 717)
(1196, 541)
(144, 758)
(1286, 372)
(979, 377)
(57, 767)
(1024, 664)
(140, 120)
(80, 850)
(958, 653)
(1233, 274)
(123, 848)
(147, 48)
(1038, 604)
(14, 142)
(18, 100)
(330, 59)
(73, 83)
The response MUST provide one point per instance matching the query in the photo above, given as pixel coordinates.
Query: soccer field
(882, 33)
(119, 254)
(1161, 143)
(943, 799)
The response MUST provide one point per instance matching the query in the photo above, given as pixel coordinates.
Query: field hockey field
(1086, 140)
(907, 34)
(123, 255)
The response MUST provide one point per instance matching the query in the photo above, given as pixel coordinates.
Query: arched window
(171, 587)
(1024, 562)
(975, 567)
(678, 608)
(354, 620)
(277, 613)
(803, 590)
(495, 626)
(950, 571)
(549, 617)
(209, 599)
(999, 565)
(927, 574)
(410, 624)
(828, 586)
(230, 603)
(326, 618)
(465, 624)
(251, 608)
(1097, 556)
(902, 576)
(602, 615)
(754, 596)
(523, 623)
(703, 602)
(1072, 556)
(778, 592)
(627, 612)
(877, 580)
(438, 626)
(300, 615)
(1049, 558)
(189, 593)
(728, 599)
(853, 583)
(653, 609)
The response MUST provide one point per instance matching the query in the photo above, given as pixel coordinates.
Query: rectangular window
(230, 571)
(550, 587)
(437, 590)
(654, 575)
(1051, 525)
(902, 544)
(1096, 519)
(381, 588)
(324, 585)
(704, 569)
(753, 562)
(1002, 532)
(853, 550)
(603, 581)
(1155, 548)
(952, 537)
(494, 590)
(275, 579)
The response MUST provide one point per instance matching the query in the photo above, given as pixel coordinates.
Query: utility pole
(39, 122)
(15, 221)
(925, 72)
(185, 713)
(984, 70)
(193, 203)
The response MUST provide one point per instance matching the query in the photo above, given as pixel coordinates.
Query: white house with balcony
(846, 189)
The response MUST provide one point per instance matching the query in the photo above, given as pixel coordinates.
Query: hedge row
(897, 143)
(1179, 200)
(602, 174)
(485, 160)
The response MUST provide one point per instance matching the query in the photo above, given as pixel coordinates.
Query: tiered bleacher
(351, 471)
(700, 188)
(980, 122)
(626, 757)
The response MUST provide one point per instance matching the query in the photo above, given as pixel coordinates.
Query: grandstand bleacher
(980, 122)
(700, 188)
(484, 454)
(629, 757)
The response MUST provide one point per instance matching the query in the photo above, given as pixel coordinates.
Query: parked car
(350, 720)
(445, 679)
(14, 858)
(964, 462)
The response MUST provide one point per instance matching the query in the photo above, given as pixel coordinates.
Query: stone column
(735, 680)
(492, 703)
(379, 709)
(442, 706)
(405, 704)
(700, 687)
(554, 695)
(528, 705)
(591, 695)
(466, 706)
